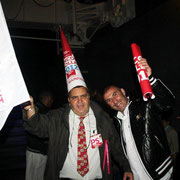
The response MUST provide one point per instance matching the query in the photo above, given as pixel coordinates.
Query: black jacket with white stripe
(148, 132)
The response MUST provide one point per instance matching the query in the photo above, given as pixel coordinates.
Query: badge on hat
(73, 74)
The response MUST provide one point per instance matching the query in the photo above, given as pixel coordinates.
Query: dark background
(107, 59)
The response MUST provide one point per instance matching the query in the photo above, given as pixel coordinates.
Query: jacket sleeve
(39, 124)
(164, 99)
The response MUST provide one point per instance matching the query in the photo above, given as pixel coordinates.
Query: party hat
(73, 74)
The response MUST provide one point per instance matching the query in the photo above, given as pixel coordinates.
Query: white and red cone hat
(73, 74)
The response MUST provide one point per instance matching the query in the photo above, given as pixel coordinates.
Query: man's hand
(143, 62)
(128, 176)
(29, 108)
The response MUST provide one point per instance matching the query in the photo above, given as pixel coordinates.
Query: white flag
(13, 90)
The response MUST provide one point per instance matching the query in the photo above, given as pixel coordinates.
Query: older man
(141, 130)
(82, 139)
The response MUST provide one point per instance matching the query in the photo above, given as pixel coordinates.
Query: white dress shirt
(137, 167)
(69, 169)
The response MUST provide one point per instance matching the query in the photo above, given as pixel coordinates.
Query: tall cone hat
(73, 74)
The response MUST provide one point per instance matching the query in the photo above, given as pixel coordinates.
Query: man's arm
(29, 109)
(164, 98)
(143, 62)
(174, 142)
(35, 123)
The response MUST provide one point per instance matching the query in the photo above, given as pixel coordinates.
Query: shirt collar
(76, 116)
(120, 115)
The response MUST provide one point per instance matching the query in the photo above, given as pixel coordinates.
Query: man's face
(116, 98)
(79, 101)
(49, 102)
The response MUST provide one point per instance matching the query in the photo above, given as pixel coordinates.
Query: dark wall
(157, 33)
(107, 58)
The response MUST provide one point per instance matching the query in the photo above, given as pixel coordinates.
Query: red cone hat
(73, 74)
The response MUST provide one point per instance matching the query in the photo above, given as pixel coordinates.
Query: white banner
(13, 90)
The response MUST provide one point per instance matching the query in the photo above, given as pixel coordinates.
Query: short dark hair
(44, 94)
(108, 87)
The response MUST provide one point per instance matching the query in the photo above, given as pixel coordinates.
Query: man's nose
(114, 100)
(79, 99)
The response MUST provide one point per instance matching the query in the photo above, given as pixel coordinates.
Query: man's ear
(69, 102)
(123, 91)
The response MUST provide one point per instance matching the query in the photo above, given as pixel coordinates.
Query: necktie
(82, 157)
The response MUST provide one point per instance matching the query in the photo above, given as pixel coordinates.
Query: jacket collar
(65, 115)
(97, 112)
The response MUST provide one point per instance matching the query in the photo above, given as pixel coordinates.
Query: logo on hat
(73, 74)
